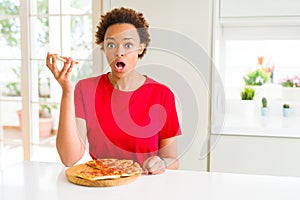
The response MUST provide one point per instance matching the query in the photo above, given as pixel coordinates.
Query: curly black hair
(128, 16)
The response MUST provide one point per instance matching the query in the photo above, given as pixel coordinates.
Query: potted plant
(245, 106)
(257, 80)
(256, 77)
(264, 109)
(286, 111)
(290, 88)
(45, 119)
(248, 93)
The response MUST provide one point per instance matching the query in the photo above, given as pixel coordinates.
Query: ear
(102, 46)
(141, 48)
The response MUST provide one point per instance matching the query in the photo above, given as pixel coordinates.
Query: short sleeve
(79, 101)
(172, 126)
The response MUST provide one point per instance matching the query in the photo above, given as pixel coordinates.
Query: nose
(120, 51)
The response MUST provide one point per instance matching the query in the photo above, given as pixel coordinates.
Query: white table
(38, 180)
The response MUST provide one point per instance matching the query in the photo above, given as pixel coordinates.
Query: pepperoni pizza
(103, 169)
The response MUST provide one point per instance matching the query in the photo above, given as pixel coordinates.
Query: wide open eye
(128, 45)
(111, 45)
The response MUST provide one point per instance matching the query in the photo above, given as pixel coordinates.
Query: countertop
(41, 180)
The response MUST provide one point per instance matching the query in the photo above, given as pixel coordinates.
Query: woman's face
(122, 46)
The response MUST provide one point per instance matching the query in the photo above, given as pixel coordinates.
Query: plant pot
(286, 112)
(45, 125)
(264, 111)
(244, 110)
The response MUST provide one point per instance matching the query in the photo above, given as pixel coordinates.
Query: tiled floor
(11, 149)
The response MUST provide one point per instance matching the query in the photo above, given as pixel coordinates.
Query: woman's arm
(168, 152)
(69, 144)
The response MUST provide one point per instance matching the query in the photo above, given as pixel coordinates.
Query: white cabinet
(255, 155)
(259, 8)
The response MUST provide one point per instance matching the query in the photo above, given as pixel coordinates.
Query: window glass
(264, 59)
(9, 28)
(76, 7)
(9, 7)
(63, 27)
(10, 79)
(10, 38)
(41, 6)
(40, 36)
(77, 34)
(242, 58)
(83, 70)
(11, 149)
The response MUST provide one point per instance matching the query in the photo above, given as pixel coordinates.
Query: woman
(123, 114)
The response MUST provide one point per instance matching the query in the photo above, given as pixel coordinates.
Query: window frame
(246, 28)
(28, 78)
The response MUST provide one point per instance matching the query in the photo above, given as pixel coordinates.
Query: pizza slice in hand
(62, 58)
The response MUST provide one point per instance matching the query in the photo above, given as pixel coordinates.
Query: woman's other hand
(154, 165)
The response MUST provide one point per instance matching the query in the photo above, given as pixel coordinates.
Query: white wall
(191, 20)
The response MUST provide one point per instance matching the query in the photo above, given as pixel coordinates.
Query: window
(10, 81)
(63, 27)
(240, 44)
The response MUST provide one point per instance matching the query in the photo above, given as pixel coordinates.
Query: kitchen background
(228, 45)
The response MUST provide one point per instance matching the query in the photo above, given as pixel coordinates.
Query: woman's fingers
(67, 68)
(64, 73)
(62, 76)
(51, 64)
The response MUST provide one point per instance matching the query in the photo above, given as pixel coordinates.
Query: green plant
(285, 106)
(257, 77)
(45, 110)
(9, 23)
(264, 102)
(248, 93)
(14, 88)
(9, 29)
(290, 82)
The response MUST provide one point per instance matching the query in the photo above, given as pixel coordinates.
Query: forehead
(120, 31)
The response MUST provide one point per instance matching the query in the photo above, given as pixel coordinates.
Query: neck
(129, 82)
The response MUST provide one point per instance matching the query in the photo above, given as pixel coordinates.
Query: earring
(141, 51)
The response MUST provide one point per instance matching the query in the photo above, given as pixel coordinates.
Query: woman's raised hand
(62, 76)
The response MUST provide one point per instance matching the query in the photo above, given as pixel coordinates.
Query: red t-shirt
(122, 124)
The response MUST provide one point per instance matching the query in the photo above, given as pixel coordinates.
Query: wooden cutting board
(96, 183)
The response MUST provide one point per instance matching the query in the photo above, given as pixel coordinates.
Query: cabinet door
(256, 155)
(259, 8)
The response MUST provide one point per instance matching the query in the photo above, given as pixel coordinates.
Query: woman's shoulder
(156, 85)
(90, 81)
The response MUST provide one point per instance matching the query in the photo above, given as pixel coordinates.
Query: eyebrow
(112, 38)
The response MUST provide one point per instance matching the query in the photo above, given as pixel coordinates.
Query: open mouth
(120, 65)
